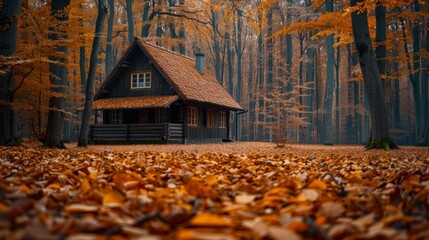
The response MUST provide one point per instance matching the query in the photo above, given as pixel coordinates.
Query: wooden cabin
(154, 95)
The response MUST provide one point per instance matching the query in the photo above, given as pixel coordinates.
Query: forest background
(291, 64)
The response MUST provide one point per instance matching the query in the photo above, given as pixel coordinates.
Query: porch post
(95, 117)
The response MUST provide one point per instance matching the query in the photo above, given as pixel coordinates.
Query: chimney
(199, 61)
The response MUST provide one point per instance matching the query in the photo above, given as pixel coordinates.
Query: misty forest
(210, 120)
(327, 72)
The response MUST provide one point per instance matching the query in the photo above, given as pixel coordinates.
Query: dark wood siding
(137, 133)
(203, 133)
(137, 62)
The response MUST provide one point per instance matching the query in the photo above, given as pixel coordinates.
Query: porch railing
(137, 133)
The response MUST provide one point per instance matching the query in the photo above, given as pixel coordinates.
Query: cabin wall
(138, 62)
(203, 133)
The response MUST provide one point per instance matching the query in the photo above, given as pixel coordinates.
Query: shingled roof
(134, 102)
(180, 72)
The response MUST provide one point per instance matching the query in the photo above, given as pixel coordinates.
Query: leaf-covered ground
(213, 192)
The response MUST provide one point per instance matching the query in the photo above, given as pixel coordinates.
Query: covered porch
(137, 133)
(149, 119)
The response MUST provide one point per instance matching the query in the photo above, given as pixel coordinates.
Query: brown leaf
(199, 190)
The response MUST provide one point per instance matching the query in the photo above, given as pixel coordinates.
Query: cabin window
(209, 122)
(222, 119)
(193, 116)
(141, 80)
(162, 115)
(116, 117)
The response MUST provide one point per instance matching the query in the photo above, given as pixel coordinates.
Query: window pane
(140, 80)
(133, 80)
(147, 82)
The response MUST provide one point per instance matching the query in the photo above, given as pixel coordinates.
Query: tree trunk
(89, 90)
(82, 53)
(261, 80)
(229, 64)
(130, 19)
(337, 97)
(422, 137)
(380, 39)
(216, 47)
(146, 20)
(58, 71)
(329, 89)
(269, 117)
(9, 13)
(310, 82)
(372, 81)
(109, 40)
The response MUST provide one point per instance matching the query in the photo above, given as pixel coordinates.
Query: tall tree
(423, 134)
(146, 18)
(216, 45)
(58, 72)
(9, 13)
(372, 80)
(93, 62)
(420, 80)
(109, 41)
(380, 39)
(130, 20)
(239, 49)
(329, 89)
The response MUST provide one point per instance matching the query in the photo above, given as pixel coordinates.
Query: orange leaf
(198, 189)
(210, 220)
(318, 184)
(85, 186)
(211, 179)
(112, 199)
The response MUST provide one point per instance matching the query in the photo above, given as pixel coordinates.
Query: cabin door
(143, 116)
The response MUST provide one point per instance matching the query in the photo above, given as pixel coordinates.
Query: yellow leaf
(85, 186)
(54, 186)
(318, 184)
(193, 234)
(211, 179)
(25, 189)
(210, 220)
(112, 199)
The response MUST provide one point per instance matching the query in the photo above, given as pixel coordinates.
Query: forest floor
(244, 190)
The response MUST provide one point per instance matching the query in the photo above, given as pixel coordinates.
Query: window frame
(137, 77)
(209, 118)
(116, 116)
(192, 116)
(162, 115)
(222, 119)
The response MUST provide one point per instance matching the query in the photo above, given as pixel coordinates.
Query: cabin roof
(191, 85)
(180, 72)
(134, 102)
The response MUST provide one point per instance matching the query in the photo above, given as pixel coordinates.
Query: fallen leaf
(193, 234)
(331, 209)
(81, 208)
(277, 233)
(318, 184)
(210, 220)
(244, 198)
(112, 199)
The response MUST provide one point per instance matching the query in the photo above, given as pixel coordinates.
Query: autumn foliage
(295, 192)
